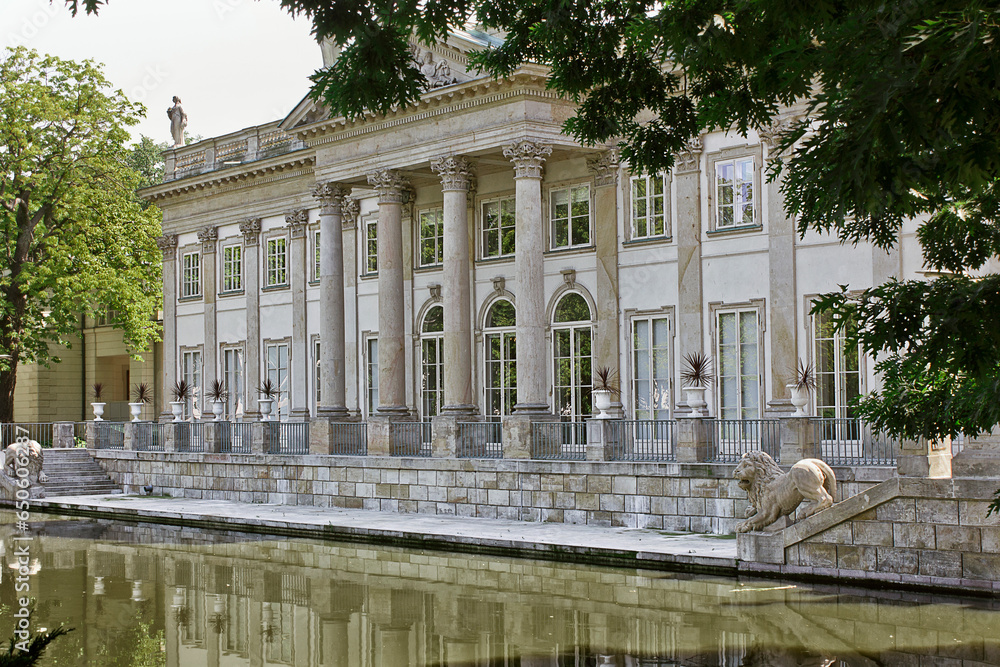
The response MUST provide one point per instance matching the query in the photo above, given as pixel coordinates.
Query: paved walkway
(633, 547)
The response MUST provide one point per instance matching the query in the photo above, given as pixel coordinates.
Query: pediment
(442, 64)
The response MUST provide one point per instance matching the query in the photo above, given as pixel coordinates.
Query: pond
(142, 594)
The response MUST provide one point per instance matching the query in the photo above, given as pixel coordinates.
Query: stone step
(83, 492)
(74, 472)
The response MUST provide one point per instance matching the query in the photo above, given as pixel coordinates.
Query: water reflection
(185, 597)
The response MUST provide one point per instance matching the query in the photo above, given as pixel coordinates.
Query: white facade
(474, 197)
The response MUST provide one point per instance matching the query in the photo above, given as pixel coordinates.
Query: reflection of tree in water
(136, 645)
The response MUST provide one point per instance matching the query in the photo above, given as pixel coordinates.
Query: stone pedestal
(63, 435)
(213, 437)
(601, 439)
(319, 435)
(444, 441)
(924, 459)
(130, 436)
(517, 433)
(380, 434)
(979, 458)
(258, 439)
(692, 439)
(170, 437)
(798, 440)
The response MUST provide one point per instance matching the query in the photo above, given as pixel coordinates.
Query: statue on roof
(437, 73)
(178, 121)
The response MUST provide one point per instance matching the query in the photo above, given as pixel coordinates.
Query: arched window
(501, 359)
(572, 336)
(432, 362)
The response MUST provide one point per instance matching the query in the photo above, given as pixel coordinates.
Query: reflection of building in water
(223, 600)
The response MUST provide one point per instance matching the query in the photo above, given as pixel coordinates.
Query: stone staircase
(73, 472)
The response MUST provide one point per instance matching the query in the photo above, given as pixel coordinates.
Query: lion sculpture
(35, 456)
(774, 494)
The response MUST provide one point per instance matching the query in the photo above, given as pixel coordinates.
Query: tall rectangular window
(569, 213)
(232, 268)
(734, 185)
(371, 246)
(232, 375)
(838, 370)
(739, 365)
(191, 373)
(277, 373)
(277, 262)
(431, 237)
(498, 228)
(649, 206)
(191, 278)
(316, 377)
(316, 256)
(371, 375)
(651, 368)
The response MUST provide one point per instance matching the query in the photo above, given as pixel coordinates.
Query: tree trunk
(7, 381)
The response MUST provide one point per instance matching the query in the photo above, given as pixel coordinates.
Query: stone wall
(699, 497)
(911, 531)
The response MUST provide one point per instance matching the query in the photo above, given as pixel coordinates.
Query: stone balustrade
(248, 145)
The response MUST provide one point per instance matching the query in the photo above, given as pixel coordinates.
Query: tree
(146, 159)
(901, 120)
(73, 237)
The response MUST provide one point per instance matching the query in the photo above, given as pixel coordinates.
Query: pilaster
(297, 223)
(605, 169)
(532, 387)
(209, 237)
(690, 318)
(250, 228)
(168, 246)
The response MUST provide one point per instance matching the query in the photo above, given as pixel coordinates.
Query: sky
(233, 63)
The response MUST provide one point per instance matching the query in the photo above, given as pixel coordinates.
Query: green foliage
(903, 123)
(135, 646)
(73, 237)
(38, 642)
(146, 160)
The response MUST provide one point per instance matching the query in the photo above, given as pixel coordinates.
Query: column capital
(351, 209)
(527, 157)
(250, 227)
(167, 245)
(331, 196)
(689, 158)
(208, 237)
(605, 167)
(457, 173)
(391, 186)
(297, 221)
(772, 135)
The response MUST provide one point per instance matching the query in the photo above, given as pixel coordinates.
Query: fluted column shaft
(209, 238)
(391, 187)
(456, 179)
(251, 287)
(333, 393)
(168, 246)
(532, 387)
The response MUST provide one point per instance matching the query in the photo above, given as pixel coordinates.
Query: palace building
(465, 257)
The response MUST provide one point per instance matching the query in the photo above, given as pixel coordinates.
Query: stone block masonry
(904, 531)
(665, 496)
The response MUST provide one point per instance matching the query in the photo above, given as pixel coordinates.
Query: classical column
(532, 388)
(605, 170)
(456, 178)
(333, 392)
(209, 237)
(391, 187)
(298, 222)
(251, 287)
(168, 246)
(781, 304)
(687, 179)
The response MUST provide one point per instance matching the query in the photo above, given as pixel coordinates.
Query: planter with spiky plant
(268, 392)
(98, 404)
(181, 391)
(218, 394)
(696, 376)
(606, 387)
(141, 395)
(803, 383)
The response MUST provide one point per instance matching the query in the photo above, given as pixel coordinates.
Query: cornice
(234, 178)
